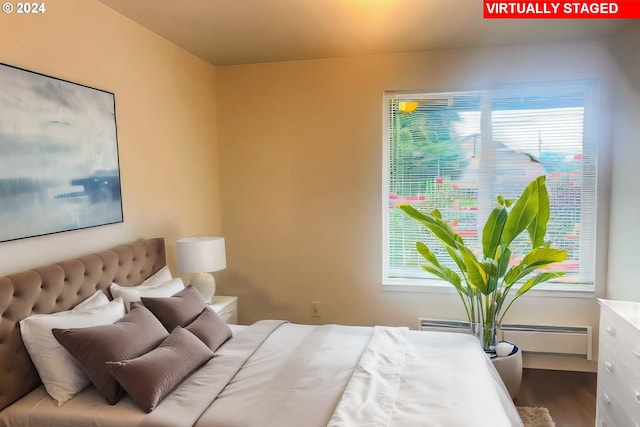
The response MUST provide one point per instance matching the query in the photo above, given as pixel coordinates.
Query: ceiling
(227, 32)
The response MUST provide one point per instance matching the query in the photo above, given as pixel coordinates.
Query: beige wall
(299, 170)
(625, 200)
(165, 115)
(301, 179)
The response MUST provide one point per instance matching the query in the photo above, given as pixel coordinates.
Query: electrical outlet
(315, 309)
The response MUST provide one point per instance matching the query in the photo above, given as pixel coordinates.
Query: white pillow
(60, 373)
(96, 300)
(133, 293)
(161, 276)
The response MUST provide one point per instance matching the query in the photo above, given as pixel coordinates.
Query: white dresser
(619, 364)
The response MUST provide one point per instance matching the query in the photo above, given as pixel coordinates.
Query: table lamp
(201, 256)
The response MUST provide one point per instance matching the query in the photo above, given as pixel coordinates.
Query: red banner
(622, 9)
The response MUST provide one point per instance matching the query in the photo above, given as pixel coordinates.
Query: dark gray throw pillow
(210, 328)
(179, 309)
(150, 377)
(133, 335)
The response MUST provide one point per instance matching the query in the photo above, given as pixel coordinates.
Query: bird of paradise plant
(484, 283)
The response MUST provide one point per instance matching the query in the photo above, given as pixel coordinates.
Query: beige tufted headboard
(59, 287)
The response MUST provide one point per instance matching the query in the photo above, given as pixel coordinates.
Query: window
(457, 151)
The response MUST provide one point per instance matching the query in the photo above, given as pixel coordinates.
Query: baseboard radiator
(564, 340)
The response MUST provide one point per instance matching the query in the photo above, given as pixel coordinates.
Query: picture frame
(59, 161)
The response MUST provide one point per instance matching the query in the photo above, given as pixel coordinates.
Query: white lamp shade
(200, 254)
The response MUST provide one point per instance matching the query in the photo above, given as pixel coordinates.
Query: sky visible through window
(546, 130)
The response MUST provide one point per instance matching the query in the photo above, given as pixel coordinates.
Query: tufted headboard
(59, 287)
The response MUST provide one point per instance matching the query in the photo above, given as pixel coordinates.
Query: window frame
(434, 284)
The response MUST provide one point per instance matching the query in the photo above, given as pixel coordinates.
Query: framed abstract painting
(59, 167)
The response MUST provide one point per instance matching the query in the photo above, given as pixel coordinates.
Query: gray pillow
(210, 328)
(180, 309)
(134, 334)
(150, 377)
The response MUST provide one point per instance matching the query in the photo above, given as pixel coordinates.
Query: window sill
(437, 286)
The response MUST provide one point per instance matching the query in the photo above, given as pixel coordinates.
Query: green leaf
(445, 273)
(543, 256)
(412, 212)
(445, 233)
(455, 256)
(536, 258)
(427, 254)
(436, 213)
(491, 268)
(476, 274)
(540, 278)
(504, 256)
(514, 274)
(440, 229)
(492, 231)
(504, 202)
(436, 271)
(538, 227)
(521, 214)
(454, 279)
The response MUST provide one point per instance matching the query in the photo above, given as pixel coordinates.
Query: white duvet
(424, 379)
(308, 376)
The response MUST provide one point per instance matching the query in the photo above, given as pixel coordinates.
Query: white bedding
(409, 378)
(297, 377)
(237, 328)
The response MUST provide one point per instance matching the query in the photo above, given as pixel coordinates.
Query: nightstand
(226, 307)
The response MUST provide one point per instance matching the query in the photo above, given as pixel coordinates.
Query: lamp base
(205, 283)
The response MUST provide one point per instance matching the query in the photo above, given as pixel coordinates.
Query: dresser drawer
(615, 375)
(619, 337)
(609, 407)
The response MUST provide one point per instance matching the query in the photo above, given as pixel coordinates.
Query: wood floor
(569, 396)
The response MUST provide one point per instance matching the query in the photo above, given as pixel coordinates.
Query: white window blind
(457, 151)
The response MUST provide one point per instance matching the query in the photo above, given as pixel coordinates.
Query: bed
(271, 373)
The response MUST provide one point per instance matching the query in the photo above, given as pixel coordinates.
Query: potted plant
(484, 280)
